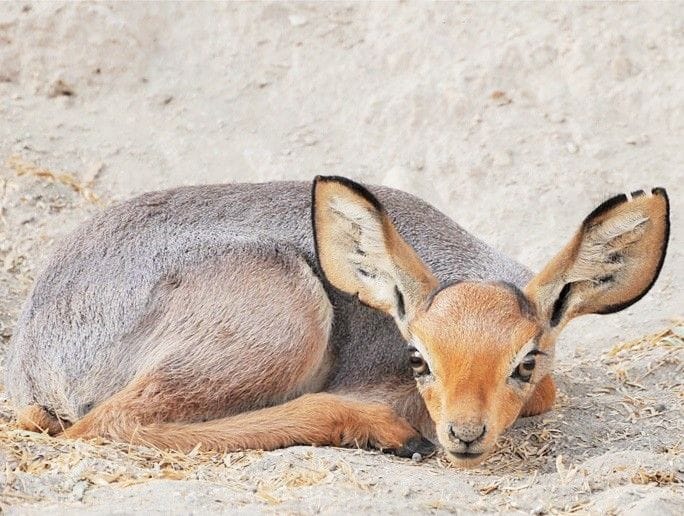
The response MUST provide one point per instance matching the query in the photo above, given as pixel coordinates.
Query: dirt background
(515, 119)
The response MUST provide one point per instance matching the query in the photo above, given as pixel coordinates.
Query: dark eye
(523, 372)
(418, 364)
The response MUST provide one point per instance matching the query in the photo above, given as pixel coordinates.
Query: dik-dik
(267, 315)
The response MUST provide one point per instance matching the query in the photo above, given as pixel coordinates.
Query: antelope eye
(418, 364)
(523, 372)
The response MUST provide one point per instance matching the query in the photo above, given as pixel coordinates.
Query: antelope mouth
(466, 459)
(466, 455)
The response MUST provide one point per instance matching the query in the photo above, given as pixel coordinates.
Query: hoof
(415, 445)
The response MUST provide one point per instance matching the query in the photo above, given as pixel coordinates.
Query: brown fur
(35, 418)
(319, 419)
(486, 330)
(542, 398)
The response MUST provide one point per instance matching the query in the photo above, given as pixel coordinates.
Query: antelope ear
(610, 263)
(361, 252)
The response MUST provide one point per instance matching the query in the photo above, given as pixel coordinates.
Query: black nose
(467, 433)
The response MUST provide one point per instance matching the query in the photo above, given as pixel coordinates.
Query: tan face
(476, 360)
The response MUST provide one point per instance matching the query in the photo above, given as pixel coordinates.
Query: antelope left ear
(361, 252)
(610, 263)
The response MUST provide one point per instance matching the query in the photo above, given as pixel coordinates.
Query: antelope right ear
(361, 252)
(610, 263)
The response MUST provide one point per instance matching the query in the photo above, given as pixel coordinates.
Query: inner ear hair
(610, 263)
(360, 251)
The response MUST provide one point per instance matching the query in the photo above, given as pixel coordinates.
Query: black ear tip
(605, 206)
(334, 179)
(355, 187)
(320, 179)
(659, 190)
(621, 198)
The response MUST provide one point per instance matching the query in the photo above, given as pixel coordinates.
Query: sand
(514, 119)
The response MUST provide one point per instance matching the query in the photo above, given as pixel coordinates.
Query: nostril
(466, 434)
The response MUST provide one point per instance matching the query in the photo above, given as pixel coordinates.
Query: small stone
(503, 158)
(572, 147)
(297, 20)
(638, 140)
(500, 98)
(310, 140)
(416, 457)
(622, 68)
(60, 88)
(556, 117)
(417, 164)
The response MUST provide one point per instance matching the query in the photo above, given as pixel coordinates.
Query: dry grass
(26, 168)
(633, 362)
(669, 340)
(112, 463)
(519, 455)
(38, 453)
(660, 478)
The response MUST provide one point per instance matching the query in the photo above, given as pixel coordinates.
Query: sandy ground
(515, 119)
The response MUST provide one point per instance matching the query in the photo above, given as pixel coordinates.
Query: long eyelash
(536, 352)
(411, 349)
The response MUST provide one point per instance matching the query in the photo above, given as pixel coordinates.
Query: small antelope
(268, 315)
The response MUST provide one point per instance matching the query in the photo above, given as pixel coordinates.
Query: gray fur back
(76, 342)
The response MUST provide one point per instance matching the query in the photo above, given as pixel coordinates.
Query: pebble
(60, 88)
(572, 148)
(503, 158)
(622, 68)
(638, 140)
(416, 457)
(297, 20)
(500, 98)
(556, 117)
